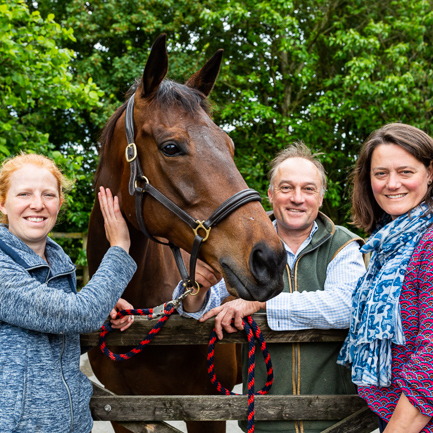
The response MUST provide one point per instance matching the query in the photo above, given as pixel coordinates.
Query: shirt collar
(291, 257)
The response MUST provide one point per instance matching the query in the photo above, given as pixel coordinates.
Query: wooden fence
(148, 413)
(82, 271)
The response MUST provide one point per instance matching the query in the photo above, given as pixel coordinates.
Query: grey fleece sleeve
(27, 303)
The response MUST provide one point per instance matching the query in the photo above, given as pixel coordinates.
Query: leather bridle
(136, 176)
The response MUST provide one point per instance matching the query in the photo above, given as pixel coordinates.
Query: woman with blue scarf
(390, 342)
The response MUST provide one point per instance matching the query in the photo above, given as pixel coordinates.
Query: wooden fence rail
(83, 271)
(147, 413)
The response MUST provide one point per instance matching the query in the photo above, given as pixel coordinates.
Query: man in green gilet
(323, 266)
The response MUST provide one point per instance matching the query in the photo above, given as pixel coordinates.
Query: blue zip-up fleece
(41, 317)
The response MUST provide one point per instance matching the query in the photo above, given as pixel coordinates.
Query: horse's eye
(170, 150)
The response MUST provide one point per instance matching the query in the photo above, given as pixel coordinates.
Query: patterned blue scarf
(376, 317)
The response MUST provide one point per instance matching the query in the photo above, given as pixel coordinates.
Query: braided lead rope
(252, 330)
(163, 312)
(168, 309)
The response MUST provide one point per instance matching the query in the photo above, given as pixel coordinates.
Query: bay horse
(189, 159)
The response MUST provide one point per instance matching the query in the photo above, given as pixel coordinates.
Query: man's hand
(206, 277)
(234, 310)
(124, 322)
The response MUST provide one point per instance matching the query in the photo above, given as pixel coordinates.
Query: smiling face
(32, 204)
(296, 197)
(399, 181)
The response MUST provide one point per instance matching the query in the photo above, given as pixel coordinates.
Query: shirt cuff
(276, 315)
(197, 314)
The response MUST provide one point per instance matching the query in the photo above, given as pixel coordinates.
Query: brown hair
(366, 213)
(10, 165)
(297, 150)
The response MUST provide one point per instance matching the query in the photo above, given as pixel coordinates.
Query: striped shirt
(326, 308)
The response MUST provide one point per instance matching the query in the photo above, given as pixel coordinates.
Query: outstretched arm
(234, 310)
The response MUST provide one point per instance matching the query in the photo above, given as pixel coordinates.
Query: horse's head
(189, 159)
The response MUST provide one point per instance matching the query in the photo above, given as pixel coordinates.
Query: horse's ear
(156, 66)
(205, 78)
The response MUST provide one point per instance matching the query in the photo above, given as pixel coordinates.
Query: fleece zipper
(68, 391)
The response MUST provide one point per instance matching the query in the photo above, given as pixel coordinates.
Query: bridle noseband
(136, 176)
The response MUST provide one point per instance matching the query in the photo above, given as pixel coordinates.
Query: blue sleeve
(29, 304)
(214, 297)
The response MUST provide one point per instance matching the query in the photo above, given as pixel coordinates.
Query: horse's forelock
(170, 93)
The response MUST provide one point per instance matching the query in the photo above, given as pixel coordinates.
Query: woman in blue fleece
(41, 313)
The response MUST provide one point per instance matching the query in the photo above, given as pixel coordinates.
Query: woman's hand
(115, 226)
(124, 322)
(406, 418)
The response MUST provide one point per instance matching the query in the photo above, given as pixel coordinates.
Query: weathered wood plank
(136, 427)
(362, 421)
(180, 330)
(221, 408)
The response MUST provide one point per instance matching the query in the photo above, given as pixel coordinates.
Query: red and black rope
(106, 328)
(250, 326)
(252, 330)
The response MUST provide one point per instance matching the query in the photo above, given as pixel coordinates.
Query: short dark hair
(297, 150)
(366, 213)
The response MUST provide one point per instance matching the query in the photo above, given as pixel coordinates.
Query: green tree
(36, 80)
(324, 71)
(39, 94)
(113, 39)
(328, 72)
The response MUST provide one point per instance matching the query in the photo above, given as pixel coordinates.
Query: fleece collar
(59, 262)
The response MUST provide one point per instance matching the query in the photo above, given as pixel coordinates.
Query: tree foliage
(36, 80)
(327, 72)
(39, 94)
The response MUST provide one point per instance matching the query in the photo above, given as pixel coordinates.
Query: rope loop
(253, 331)
(106, 328)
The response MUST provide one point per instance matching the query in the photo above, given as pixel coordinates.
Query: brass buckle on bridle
(134, 148)
(146, 180)
(201, 226)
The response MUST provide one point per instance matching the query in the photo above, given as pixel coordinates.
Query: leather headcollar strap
(136, 176)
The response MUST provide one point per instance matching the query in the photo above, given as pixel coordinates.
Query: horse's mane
(169, 93)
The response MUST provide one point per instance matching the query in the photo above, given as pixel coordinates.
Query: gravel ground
(105, 427)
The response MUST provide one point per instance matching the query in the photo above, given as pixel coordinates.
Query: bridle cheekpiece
(136, 176)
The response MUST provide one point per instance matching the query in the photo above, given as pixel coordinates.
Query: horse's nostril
(259, 266)
(266, 265)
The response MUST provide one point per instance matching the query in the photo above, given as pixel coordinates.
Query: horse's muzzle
(266, 267)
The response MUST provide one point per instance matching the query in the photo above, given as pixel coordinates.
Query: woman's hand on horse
(124, 322)
(115, 226)
(230, 316)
